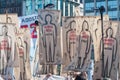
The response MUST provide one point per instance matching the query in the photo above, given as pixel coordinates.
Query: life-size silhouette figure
(5, 50)
(71, 40)
(49, 38)
(22, 60)
(84, 44)
(110, 50)
(49, 31)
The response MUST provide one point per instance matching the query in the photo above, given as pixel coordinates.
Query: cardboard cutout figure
(5, 50)
(16, 55)
(26, 39)
(81, 39)
(49, 22)
(12, 23)
(22, 60)
(71, 40)
(84, 44)
(97, 35)
(114, 74)
(110, 50)
(49, 38)
(111, 53)
(69, 43)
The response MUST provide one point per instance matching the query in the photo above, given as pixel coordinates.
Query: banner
(84, 42)
(7, 45)
(77, 36)
(107, 66)
(69, 42)
(29, 22)
(50, 51)
(97, 35)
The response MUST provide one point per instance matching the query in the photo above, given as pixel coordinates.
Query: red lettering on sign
(5, 48)
(84, 35)
(72, 35)
(110, 44)
(32, 25)
(4, 45)
(48, 28)
(108, 41)
(24, 26)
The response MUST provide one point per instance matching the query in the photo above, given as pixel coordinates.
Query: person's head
(85, 26)
(109, 32)
(4, 29)
(48, 18)
(72, 24)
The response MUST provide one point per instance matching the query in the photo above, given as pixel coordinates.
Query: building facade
(112, 8)
(12, 6)
(28, 7)
(67, 7)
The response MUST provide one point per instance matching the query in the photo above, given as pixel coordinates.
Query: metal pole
(6, 12)
(102, 9)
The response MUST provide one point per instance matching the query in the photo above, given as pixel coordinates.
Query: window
(112, 14)
(71, 9)
(81, 1)
(66, 8)
(88, 1)
(112, 5)
(101, 4)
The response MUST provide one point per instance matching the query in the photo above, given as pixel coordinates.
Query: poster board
(49, 23)
(77, 35)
